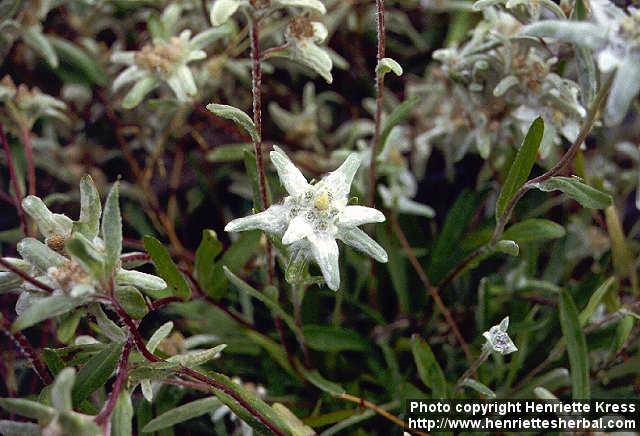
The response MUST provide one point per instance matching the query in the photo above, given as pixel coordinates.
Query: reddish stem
(14, 181)
(121, 376)
(28, 154)
(379, 98)
(24, 346)
(26, 277)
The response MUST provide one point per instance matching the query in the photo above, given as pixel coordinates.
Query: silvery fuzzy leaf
(222, 10)
(206, 37)
(9, 282)
(90, 209)
(504, 85)
(152, 344)
(237, 116)
(312, 56)
(386, 65)
(26, 299)
(61, 389)
(45, 308)
(197, 358)
(362, 242)
(112, 230)
(624, 89)
(140, 280)
(39, 255)
(107, 327)
(139, 91)
(81, 250)
(14, 428)
(316, 5)
(48, 223)
(183, 84)
(579, 33)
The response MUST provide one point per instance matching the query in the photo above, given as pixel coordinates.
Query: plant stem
(26, 277)
(121, 376)
(28, 154)
(17, 192)
(486, 352)
(433, 291)
(377, 409)
(379, 97)
(139, 342)
(24, 346)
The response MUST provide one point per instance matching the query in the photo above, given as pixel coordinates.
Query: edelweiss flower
(313, 216)
(498, 340)
(303, 37)
(157, 62)
(28, 105)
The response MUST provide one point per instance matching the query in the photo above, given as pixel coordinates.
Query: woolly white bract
(498, 340)
(313, 216)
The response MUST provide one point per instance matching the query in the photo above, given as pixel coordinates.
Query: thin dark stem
(24, 346)
(17, 192)
(121, 375)
(26, 277)
(379, 97)
(472, 369)
(28, 154)
(433, 291)
(139, 342)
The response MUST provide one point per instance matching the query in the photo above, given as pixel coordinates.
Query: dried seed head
(300, 27)
(56, 242)
(162, 57)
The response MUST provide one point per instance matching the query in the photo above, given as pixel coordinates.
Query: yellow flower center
(322, 201)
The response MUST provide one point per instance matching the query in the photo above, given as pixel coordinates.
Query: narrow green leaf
(294, 425)
(204, 268)
(584, 194)
(166, 268)
(131, 301)
(521, 166)
(39, 254)
(576, 347)
(507, 246)
(96, 372)
(270, 302)
(386, 65)
(74, 57)
(333, 339)
(429, 369)
(112, 230)
(182, 413)
(122, 417)
(61, 389)
(67, 328)
(316, 379)
(595, 300)
(90, 209)
(534, 229)
(80, 249)
(46, 308)
(197, 358)
(399, 114)
(228, 153)
(37, 40)
(623, 330)
(237, 116)
(480, 388)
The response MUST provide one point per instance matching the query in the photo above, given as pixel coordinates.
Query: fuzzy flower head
(303, 37)
(498, 340)
(25, 105)
(313, 216)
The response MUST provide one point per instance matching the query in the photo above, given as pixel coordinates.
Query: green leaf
(316, 379)
(182, 413)
(429, 369)
(14, 428)
(112, 230)
(480, 388)
(386, 65)
(39, 255)
(197, 358)
(166, 268)
(507, 246)
(623, 330)
(521, 166)
(122, 416)
(38, 41)
(399, 114)
(139, 91)
(273, 348)
(204, 268)
(333, 339)
(228, 153)
(237, 116)
(250, 398)
(46, 308)
(84, 65)
(595, 300)
(576, 347)
(95, 373)
(67, 328)
(295, 426)
(28, 408)
(131, 301)
(584, 194)
(90, 209)
(80, 249)
(61, 389)
(534, 229)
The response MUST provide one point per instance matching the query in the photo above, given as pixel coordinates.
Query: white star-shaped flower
(498, 340)
(313, 216)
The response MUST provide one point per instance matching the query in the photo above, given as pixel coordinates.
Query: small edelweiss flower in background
(222, 10)
(25, 106)
(303, 37)
(313, 216)
(498, 340)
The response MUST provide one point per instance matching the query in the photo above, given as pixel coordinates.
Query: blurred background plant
(466, 119)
